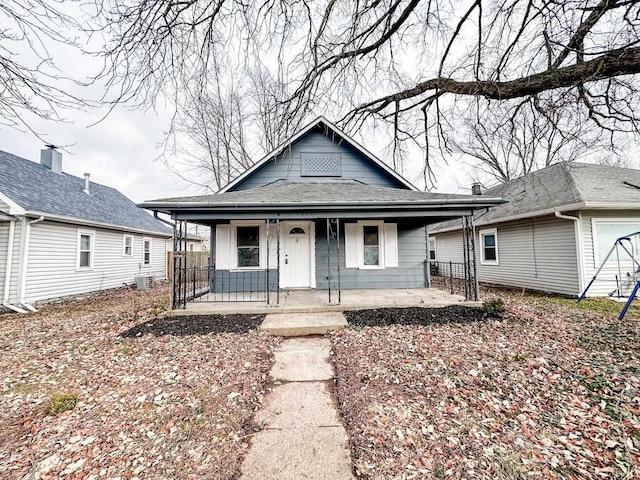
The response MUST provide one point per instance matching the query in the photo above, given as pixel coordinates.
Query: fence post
(194, 282)
(451, 275)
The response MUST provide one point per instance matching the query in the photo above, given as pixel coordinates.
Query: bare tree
(30, 81)
(222, 128)
(408, 63)
(506, 141)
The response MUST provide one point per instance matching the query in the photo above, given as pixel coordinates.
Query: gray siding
(606, 281)
(410, 272)
(52, 273)
(287, 166)
(537, 254)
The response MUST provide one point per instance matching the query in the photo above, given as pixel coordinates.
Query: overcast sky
(121, 152)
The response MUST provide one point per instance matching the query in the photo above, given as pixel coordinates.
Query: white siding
(52, 272)
(606, 281)
(15, 263)
(537, 254)
(448, 247)
(4, 245)
(4, 207)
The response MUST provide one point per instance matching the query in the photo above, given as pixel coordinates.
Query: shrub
(62, 402)
(493, 307)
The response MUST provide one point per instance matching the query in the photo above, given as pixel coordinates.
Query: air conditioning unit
(144, 282)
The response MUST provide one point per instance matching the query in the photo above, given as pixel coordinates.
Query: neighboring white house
(555, 230)
(61, 235)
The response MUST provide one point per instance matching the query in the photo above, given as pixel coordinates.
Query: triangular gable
(332, 132)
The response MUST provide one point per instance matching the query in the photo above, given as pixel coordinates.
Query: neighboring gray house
(319, 212)
(555, 230)
(62, 236)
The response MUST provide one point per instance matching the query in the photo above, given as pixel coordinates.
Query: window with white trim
(489, 246)
(85, 248)
(432, 248)
(146, 252)
(241, 245)
(607, 231)
(371, 244)
(127, 245)
(248, 246)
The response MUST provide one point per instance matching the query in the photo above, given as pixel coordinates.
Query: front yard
(551, 391)
(154, 398)
(107, 388)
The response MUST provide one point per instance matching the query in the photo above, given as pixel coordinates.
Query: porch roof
(319, 199)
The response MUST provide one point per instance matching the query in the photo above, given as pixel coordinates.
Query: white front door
(297, 255)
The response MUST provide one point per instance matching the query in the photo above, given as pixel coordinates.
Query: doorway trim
(310, 228)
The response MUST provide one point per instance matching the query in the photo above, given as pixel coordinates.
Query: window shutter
(223, 247)
(350, 245)
(390, 244)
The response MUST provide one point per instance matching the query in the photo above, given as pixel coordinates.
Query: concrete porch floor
(301, 301)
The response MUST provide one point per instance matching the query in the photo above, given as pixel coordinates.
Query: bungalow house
(319, 212)
(61, 235)
(555, 230)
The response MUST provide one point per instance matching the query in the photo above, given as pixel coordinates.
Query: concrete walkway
(302, 436)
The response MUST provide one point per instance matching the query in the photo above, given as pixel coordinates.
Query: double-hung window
(432, 248)
(146, 252)
(371, 244)
(489, 246)
(242, 245)
(127, 245)
(84, 257)
(248, 246)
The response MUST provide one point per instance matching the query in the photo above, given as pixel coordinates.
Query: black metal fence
(206, 284)
(456, 278)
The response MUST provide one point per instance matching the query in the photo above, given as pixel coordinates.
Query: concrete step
(302, 324)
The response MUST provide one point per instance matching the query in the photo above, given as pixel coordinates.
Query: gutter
(9, 266)
(565, 208)
(24, 263)
(579, 247)
(108, 226)
(489, 202)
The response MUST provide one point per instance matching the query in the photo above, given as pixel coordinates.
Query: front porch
(305, 301)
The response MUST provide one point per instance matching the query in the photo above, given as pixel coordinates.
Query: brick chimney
(51, 158)
(475, 189)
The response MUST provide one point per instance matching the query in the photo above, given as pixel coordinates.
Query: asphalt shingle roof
(560, 185)
(37, 189)
(328, 193)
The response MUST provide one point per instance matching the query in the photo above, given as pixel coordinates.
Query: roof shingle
(37, 189)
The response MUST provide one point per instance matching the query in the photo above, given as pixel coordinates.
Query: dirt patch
(415, 316)
(196, 325)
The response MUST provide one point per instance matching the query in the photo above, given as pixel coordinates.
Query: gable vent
(320, 165)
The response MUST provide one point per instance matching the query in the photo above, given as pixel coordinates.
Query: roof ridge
(573, 186)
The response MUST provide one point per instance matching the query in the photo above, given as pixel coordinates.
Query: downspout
(23, 267)
(7, 274)
(579, 247)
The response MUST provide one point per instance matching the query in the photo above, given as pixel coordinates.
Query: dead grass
(552, 391)
(151, 406)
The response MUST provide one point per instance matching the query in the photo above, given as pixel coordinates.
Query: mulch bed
(196, 325)
(415, 316)
(547, 392)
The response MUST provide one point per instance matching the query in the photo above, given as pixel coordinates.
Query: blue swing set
(626, 244)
